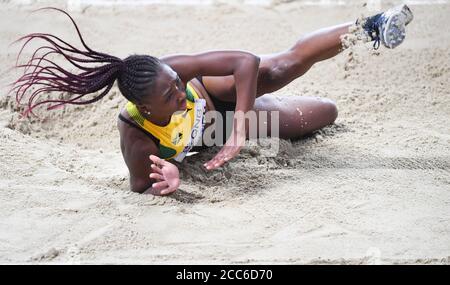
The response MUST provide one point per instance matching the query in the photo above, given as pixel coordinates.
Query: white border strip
(370, 3)
(426, 2)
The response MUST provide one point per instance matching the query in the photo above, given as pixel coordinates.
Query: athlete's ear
(144, 109)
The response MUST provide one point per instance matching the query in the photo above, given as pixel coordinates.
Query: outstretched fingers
(159, 186)
(156, 176)
(223, 156)
(156, 160)
(162, 188)
(156, 169)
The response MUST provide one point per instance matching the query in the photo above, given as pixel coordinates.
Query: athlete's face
(168, 94)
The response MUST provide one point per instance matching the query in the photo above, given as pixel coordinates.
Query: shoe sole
(408, 14)
(394, 31)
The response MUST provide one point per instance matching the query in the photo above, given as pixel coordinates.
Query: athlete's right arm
(148, 173)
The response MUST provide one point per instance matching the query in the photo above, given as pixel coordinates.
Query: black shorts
(222, 107)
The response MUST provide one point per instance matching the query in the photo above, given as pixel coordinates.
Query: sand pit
(373, 188)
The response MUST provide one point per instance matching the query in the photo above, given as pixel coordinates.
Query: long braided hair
(135, 74)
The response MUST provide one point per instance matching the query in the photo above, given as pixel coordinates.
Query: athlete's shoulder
(133, 138)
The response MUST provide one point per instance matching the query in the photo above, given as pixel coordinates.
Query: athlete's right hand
(166, 174)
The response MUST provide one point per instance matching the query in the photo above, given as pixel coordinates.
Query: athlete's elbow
(255, 60)
(139, 186)
(250, 59)
(137, 189)
(258, 59)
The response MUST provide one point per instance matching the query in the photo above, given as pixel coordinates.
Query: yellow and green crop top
(184, 130)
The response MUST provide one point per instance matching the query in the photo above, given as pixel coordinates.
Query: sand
(374, 188)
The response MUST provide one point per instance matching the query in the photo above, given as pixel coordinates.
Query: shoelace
(372, 25)
(376, 43)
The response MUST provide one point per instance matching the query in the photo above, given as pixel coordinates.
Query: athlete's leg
(277, 70)
(297, 115)
(302, 115)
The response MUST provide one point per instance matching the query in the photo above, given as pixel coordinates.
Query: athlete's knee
(330, 109)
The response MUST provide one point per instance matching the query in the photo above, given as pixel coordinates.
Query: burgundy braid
(48, 76)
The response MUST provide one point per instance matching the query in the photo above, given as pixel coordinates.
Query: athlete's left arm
(244, 67)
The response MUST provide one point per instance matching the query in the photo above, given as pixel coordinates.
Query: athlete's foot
(388, 27)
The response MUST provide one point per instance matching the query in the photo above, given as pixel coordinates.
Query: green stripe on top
(134, 114)
(189, 95)
(166, 152)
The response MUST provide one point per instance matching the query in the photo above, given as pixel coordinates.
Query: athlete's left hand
(166, 174)
(231, 149)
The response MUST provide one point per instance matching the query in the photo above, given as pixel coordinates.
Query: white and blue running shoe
(388, 27)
